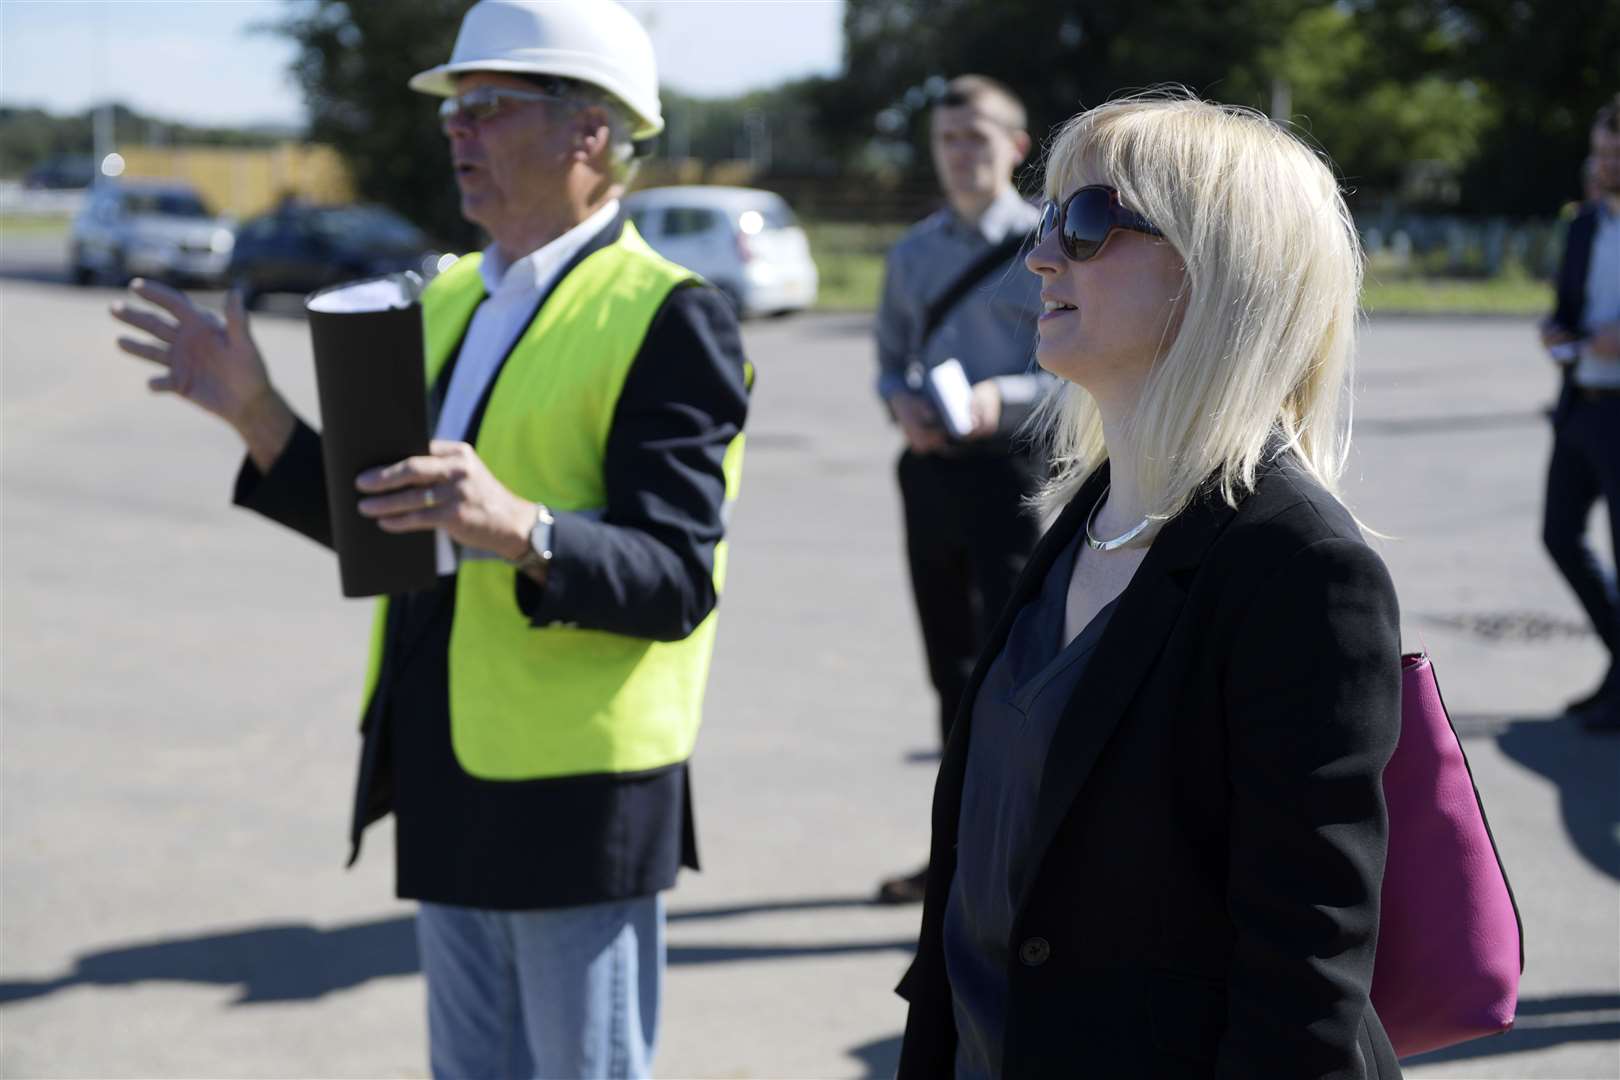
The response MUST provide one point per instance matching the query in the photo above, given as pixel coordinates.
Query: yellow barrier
(245, 180)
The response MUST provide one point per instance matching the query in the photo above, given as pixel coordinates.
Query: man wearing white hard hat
(528, 721)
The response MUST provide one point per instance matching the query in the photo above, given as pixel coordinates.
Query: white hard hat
(593, 41)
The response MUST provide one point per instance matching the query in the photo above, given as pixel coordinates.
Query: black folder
(368, 370)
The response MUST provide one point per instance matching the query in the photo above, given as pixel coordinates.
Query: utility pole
(1282, 100)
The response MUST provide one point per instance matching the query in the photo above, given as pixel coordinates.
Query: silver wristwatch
(538, 555)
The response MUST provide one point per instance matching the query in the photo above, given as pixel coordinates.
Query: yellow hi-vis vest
(529, 703)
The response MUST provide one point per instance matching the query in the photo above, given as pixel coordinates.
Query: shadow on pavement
(271, 963)
(1542, 1022)
(768, 907)
(881, 1057)
(1582, 765)
(300, 962)
(41, 274)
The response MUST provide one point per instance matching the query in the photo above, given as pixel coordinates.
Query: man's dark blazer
(1569, 311)
(644, 568)
(1209, 839)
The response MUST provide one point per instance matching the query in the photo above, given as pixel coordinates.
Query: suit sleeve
(1313, 705)
(1570, 287)
(645, 567)
(293, 492)
(894, 326)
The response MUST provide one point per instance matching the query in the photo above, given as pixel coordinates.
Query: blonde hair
(1273, 265)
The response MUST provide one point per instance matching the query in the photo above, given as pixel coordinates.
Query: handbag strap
(975, 272)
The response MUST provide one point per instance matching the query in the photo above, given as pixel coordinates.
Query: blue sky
(200, 61)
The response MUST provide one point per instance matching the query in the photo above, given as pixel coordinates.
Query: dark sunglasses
(1085, 219)
(487, 102)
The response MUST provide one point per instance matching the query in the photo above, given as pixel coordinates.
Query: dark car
(299, 248)
(63, 173)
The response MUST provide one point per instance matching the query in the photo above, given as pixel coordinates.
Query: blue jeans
(560, 992)
(1585, 467)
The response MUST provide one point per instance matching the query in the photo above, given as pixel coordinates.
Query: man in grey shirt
(968, 532)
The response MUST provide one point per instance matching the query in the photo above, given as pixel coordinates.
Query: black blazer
(1569, 312)
(644, 568)
(1209, 838)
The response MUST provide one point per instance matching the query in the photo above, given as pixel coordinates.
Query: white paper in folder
(953, 397)
(370, 294)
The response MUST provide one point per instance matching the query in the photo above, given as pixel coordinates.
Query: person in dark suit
(1159, 826)
(1583, 335)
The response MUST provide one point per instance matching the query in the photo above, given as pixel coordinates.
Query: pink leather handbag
(1450, 943)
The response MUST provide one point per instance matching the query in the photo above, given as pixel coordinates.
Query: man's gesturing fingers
(158, 354)
(173, 301)
(159, 327)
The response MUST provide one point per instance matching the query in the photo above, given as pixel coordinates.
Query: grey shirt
(990, 331)
(1015, 714)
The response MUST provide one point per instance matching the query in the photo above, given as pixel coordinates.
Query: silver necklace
(1117, 542)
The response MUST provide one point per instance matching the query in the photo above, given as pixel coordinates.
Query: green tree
(776, 127)
(1394, 90)
(30, 136)
(354, 61)
(1059, 55)
(1386, 132)
(1541, 68)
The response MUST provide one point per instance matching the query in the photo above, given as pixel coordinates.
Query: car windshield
(184, 204)
(367, 226)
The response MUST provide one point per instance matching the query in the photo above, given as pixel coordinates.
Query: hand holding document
(368, 369)
(952, 395)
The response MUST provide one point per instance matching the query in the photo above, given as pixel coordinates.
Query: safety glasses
(1085, 219)
(487, 102)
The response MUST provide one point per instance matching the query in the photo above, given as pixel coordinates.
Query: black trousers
(1585, 467)
(968, 535)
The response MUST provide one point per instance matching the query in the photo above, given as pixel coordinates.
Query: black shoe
(904, 890)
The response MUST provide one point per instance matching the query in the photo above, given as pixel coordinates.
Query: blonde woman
(1159, 831)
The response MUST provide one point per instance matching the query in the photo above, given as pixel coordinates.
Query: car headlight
(222, 241)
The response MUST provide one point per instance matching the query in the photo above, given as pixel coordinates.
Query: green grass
(850, 258)
(1506, 295)
(850, 261)
(33, 226)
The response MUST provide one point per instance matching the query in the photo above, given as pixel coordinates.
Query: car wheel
(77, 270)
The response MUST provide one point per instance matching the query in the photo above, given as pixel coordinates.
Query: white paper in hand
(952, 395)
(370, 294)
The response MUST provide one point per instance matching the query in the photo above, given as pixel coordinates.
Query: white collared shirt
(514, 290)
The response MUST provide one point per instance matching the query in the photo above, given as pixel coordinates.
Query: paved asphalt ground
(181, 682)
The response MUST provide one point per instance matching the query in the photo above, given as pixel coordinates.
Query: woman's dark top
(1205, 855)
(1014, 715)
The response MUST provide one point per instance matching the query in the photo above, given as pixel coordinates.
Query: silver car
(744, 241)
(153, 229)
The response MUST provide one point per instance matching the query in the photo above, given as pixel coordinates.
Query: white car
(153, 229)
(743, 241)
